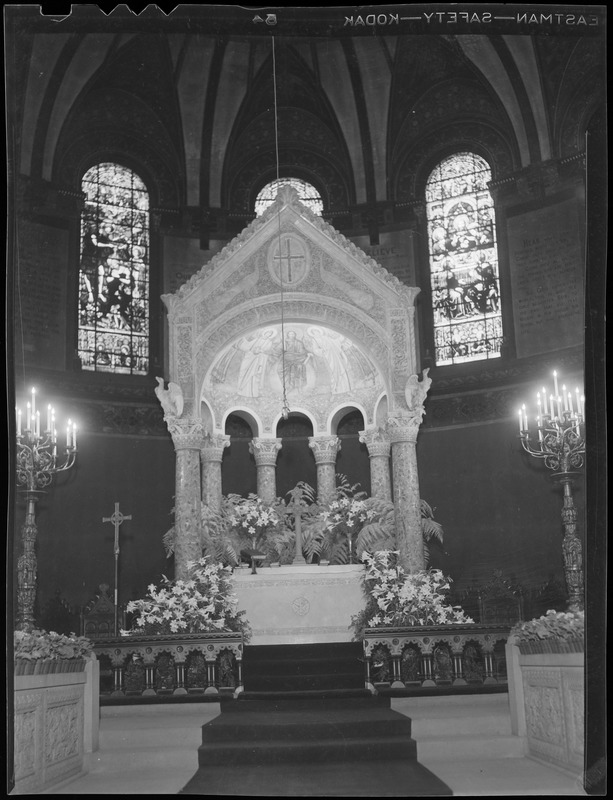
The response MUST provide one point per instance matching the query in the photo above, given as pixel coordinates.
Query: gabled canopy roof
(287, 271)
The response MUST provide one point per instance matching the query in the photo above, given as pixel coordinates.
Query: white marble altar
(300, 604)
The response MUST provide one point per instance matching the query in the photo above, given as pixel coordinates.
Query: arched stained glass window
(308, 195)
(114, 272)
(463, 261)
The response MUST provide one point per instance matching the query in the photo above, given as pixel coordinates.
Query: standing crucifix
(295, 505)
(116, 518)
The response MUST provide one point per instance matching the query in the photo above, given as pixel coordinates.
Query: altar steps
(300, 745)
(303, 667)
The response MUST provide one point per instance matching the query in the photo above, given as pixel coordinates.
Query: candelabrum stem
(571, 545)
(26, 566)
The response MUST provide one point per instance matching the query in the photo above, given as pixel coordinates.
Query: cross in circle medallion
(289, 265)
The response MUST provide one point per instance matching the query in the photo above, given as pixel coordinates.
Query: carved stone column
(379, 448)
(402, 429)
(265, 453)
(212, 455)
(187, 437)
(325, 450)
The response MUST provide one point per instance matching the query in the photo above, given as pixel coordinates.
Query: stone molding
(212, 449)
(403, 427)
(325, 448)
(377, 441)
(187, 433)
(265, 451)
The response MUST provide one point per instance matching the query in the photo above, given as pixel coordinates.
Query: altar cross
(296, 505)
(116, 518)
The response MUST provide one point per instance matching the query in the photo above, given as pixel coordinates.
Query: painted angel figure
(415, 390)
(171, 399)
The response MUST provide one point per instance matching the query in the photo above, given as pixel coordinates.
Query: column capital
(403, 427)
(325, 448)
(377, 441)
(187, 432)
(213, 445)
(265, 451)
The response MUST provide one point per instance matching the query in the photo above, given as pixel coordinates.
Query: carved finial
(287, 194)
(415, 390)
(171, 399)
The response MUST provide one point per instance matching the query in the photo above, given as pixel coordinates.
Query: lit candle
(570, 404)
(520, 421)
(582, 399)
(68, 435)
(577, 399)
(555, 383)
(565, 398)
(28, 415)
(53, 431)
(38, 424)
(18, 421)
(48, 418)
(74, 436)
(524, 416)
(551, 414)
(54, 440)
(559, 405)
(540, 430)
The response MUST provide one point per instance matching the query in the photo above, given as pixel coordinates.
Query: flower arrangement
(339, 532)
(398, 599)
(204, 603)
(251, 517)
(343, 520)
(557, 631)
(37, 651)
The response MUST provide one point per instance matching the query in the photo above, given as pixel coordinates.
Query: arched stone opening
(295, 460)
(238, 470)
(352, 460)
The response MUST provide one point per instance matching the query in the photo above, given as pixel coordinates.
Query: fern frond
(168, 540)
(374, 537)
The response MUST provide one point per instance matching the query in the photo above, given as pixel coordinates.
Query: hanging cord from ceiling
(285, 408)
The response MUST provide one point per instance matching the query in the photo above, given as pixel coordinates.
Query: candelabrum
(37, 461)
(560, 442)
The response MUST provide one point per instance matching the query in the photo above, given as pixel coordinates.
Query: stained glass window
(463, 261)
(308, 195)
(114, 272)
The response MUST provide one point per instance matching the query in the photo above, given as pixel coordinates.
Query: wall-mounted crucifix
(116, 518)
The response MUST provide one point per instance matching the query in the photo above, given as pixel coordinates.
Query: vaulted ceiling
(356, 116)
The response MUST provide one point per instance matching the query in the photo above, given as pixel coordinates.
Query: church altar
(300, 604)
(291, 319)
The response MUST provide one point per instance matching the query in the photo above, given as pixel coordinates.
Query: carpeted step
(284, 751)
(257, 701)
(304, 682)
(326, 651)
(385, 778)
(265, 725)
(306, 667)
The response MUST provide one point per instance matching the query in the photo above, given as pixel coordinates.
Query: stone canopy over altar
(291, 318)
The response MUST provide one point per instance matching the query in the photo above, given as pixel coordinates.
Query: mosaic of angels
(313, 358)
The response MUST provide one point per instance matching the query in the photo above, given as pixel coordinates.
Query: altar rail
(435, 656)
(177, 664)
